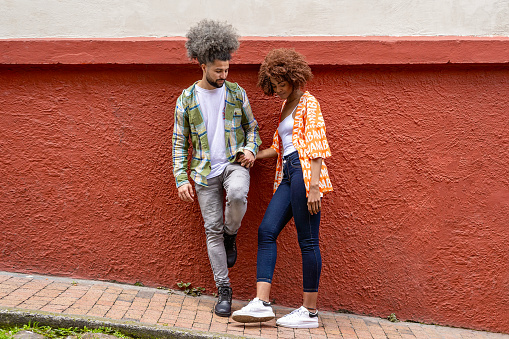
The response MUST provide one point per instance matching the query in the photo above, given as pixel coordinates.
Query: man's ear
(203, 67)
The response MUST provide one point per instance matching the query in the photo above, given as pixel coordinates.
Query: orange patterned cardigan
(308, 137)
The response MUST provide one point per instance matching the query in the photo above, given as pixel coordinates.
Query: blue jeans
(290, 201)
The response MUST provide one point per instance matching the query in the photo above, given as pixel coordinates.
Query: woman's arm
(314, 202)
(266, 153)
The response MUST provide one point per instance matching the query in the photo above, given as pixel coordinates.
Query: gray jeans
(235, 181)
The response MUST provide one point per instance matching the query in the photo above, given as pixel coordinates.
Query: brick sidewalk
(142, 305)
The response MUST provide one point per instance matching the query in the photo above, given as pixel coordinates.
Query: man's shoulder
(235, 88)
(188, 92)
(187, 97)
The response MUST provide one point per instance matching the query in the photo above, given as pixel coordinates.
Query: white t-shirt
(212, 104)
(285, 130)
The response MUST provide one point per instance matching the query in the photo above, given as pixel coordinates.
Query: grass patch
(49, 332)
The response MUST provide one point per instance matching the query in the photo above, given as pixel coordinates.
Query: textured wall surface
(142, 18)
(417, 224)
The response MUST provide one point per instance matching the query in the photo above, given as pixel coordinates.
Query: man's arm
(252, 136)
(180, 141)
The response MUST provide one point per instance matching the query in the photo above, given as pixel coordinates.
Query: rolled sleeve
(275, 141)
(250, 126)
(315, 134)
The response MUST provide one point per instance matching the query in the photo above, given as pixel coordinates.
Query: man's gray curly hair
(211, 40)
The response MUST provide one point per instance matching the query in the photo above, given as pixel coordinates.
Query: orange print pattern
(308, 137)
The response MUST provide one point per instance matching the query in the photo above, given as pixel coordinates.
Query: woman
(301, 179)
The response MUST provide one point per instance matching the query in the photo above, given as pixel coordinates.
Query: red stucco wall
(417, 224)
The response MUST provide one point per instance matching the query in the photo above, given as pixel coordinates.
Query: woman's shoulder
(309, 97)
(310, 101)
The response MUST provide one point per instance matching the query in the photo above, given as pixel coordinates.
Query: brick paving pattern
(66, 296)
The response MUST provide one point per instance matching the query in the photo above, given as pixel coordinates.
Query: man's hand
(186, 192)
(246, 159)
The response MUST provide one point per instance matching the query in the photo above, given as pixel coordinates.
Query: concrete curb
(11, 316)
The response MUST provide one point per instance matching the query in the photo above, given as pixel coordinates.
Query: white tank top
(285, 130)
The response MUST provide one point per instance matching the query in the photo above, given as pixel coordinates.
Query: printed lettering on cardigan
(309, 138)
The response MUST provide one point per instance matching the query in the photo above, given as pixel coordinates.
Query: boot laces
(224, 294)
(230, 241)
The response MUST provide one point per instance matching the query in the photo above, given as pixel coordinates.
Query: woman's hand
(246, 159)
(314, 201)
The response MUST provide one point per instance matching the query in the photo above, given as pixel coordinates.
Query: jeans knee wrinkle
(214, 229)
(236, 199)
(267, 232)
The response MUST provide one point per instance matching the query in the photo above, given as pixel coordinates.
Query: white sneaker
(299, 318)
(256, 311)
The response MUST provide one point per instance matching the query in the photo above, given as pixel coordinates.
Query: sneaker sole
(299, 325)
(251, 319)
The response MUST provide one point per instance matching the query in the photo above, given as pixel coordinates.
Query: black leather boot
(231, 249)
(223, 307)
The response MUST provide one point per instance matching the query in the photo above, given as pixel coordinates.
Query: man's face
(216, 72)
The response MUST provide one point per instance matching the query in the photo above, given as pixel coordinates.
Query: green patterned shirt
(240, 128)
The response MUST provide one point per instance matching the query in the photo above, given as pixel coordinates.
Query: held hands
(246, 159)
(314, 201)
(186, 192)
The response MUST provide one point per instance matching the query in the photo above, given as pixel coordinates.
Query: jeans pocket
(295, 162)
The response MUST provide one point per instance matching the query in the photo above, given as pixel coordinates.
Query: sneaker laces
(254, 301)
(297, 312)
(251, 304)
(257, 301)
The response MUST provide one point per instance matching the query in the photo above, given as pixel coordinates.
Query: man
(217, 116)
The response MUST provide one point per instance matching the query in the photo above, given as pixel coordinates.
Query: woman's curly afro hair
(283, 64)
(211, 40)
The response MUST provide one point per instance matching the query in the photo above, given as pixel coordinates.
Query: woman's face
(282, 88)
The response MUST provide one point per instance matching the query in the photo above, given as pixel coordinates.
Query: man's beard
(214, 83)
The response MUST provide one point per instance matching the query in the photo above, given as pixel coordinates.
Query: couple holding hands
(215, 116)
